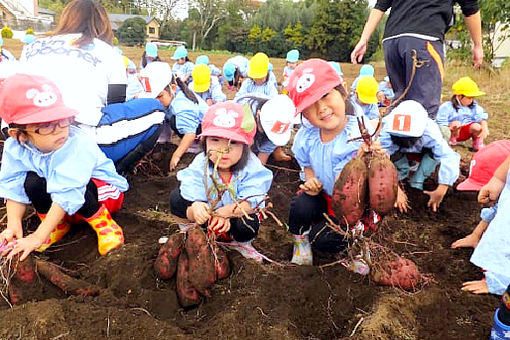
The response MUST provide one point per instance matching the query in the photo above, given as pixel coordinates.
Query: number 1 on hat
(402, 123)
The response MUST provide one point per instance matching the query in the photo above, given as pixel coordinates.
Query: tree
(208, 13)
(132, 32)
(232, 30)
(294, 35)
(163, 10)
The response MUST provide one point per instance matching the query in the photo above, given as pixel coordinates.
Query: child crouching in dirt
(407, 130)
(322, 150)
(227, 132)
(55, 166)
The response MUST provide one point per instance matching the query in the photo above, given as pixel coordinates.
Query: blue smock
(188, 115)
(465, 114)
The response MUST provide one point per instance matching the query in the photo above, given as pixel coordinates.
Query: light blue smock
(188, 115)
(67, 170)
(251, 182)
(287, 71)
(388, 91)
(215, 93)
(465, 114)
(241, 63)
(487, 214)
(371, 111)
(183, 70)
(214, 70)
(267, 89)
(449, 160)
(133, 86)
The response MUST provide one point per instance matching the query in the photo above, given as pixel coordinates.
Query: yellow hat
(259, 66)
(126, 61)
(201, 78)
(467, 87)
(367, 90)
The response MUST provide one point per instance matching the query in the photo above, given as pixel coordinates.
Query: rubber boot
(499, 331)
(247, 250)
(56, 235)
(477, 143)
(109, 233)
(425, 169)
(302, 253)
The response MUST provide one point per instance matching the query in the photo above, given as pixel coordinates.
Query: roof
(45, 11)
(117, 19)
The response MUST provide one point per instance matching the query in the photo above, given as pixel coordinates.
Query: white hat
(154, 78)
(276, 117)
(407, 119)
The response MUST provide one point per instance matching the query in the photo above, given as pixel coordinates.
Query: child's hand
(476, 287)
(174, 161)
(13, 231)
(200, 212)
(402, 203)
(219, 224)
(490, 192)
(312, 186)
(436, 196)
(470, 241)
(25, 245)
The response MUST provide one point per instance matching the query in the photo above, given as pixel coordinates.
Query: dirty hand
(219, 224)
(13, 231)
(174, 161)
(490, 192)
(470, 241)
(25, 245)
(312, 186)
(200, 212)
(358, 52)
(476, 287)
(436, 196)
(402, 203)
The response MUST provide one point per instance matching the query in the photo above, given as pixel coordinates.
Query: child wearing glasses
(54, 166)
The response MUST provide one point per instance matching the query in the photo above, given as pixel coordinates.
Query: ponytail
(184, 88)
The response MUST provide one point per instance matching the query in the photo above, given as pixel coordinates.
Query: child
(322, 150)
(183, 67)
(385, 92)
(462, 118)
(235, 70)
(258, 82)
(184, 110)
(134, 87)
(290, 66)
(227, 132)
(55, 166)
(365, 97)
(501, 328)
(149, 55)
(5, 55)
(205, 86)
(366, 70)
(408, 130)
(215, 72)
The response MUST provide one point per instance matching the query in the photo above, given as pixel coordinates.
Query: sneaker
(302, 253)
(247, 250)
(477, 143)
(452, 141)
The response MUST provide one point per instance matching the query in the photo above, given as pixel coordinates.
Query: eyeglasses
(48, 128)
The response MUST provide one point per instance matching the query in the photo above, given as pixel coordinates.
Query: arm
(186, 142)
(15, 212)
(474, 26)
(361, 47)
(491, 191)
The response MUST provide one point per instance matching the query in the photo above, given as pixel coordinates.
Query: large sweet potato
(20, 286)
(222, 264)
(166, 262)
(382, 184)
(202, 269)
(401, 272)
(349, 192)
(188, 295)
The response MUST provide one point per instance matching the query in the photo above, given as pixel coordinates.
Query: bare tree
(209, 12)
(163, 10)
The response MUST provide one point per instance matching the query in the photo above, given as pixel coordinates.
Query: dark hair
(349, 108)
(20, 128)
(404, 142)
(144, 59)
(87, 17)
(239, 165)
(267, 78)
(236, 81)
(184, 88)
(456, 103)
(258, 102)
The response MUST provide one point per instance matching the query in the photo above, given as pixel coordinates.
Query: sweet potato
(382, 184)
(20, 286)
(222, 264)
(166, 262)
(349, 192)
(188, 295)
(202, 269)
(401, 272)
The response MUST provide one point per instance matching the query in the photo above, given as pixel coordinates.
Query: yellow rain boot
(56, 235)
(109, 233)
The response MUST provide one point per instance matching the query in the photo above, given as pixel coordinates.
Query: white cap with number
(407, 119)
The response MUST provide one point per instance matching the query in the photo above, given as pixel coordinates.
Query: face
(228, 151)
(291, 65)
(47, 137)
(465, 101)
(181, 61)
(165, 98)
(327, 113)
(259, 81)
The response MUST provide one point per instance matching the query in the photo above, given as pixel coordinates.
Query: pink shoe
(477, 144)
(230, 88)
(452, 141)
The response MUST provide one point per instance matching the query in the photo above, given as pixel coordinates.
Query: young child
(149, 55)
(55, 166)
(407, 130)
(385, 92)
(462, 117)
(183, 109)
(183, 66)
(366, 70)
(290, 65)
(205, 86)
(322, 150)
(235, 70)
(258, 82)
(227, 133)
(215, 71)
(134, 87)
(365, 97)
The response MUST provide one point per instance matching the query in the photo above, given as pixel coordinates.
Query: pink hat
(310, 81)
(484, 164)
(30, 99)
(229, 120)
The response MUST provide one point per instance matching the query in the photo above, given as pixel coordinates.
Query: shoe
(247, 250)
(302, 254)
(109, 233)
(499, 331)
(56, 235)
(477, 143)
(452, 141)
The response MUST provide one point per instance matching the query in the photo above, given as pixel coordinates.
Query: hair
(258, 102)
(144, 59)
(267, 78)
(242, 161)
(184, 88)
(456, 103)
(87, 17)
(404, 142)
(20, 130)
(237, 79)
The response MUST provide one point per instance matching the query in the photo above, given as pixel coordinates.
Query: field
(269, 301)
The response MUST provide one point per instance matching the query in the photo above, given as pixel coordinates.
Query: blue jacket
(465, 115)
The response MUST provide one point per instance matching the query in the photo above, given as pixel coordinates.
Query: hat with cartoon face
(31, 99)
(154, 78)
(311, 80)
(276, 118)
(229, 120)
(407, 119)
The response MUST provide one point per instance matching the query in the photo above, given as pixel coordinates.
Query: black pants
(35, 188)
(306, 214)
(241, 229)
(173, 125)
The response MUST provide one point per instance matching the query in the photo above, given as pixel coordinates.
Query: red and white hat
(484, 164)
(154, 78)
(276, 118)
(407, 119)
(229, 120)
(31, 99)
(311, 80)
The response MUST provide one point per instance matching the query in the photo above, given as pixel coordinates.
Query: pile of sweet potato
(196, 265)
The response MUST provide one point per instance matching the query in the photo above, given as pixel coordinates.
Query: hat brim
(475, 94)
(469, 185)
(260, 75)
(48, 115)
(222, 133)
(292, 60)
(228, 78)
(201, 88)
(367, 100)
(318, 94)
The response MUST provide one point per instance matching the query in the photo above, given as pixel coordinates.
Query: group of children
(60, 169)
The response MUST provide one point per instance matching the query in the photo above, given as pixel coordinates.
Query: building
(22, 14)
(151, 24)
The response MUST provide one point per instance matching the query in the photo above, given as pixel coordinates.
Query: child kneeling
(227, 132)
